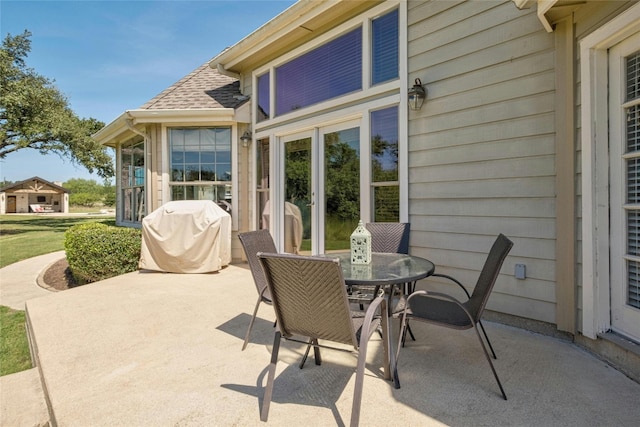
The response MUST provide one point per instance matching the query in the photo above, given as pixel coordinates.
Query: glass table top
(384, 269)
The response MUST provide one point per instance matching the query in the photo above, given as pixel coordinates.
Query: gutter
(543, 7)
(132, 128)
(226, 72)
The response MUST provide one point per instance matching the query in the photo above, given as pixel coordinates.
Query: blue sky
(111, 56)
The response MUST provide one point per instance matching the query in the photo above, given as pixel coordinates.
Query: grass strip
(14, 347)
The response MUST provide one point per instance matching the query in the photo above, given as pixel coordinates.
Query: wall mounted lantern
(417, 95)
(246, 138)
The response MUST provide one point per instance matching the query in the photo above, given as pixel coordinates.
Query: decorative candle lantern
(360, 245)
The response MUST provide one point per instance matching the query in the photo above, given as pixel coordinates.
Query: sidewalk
(165, 349)
(18, 281)
(22, 400)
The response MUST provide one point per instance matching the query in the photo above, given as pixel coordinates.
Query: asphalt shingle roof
(203, 88)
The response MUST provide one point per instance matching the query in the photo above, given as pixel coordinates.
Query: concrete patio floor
(164, 349)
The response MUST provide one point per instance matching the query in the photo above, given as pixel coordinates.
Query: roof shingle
(203, 88)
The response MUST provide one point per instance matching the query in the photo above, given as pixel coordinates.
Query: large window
(384, 48)
(329, 71)
(333, 69)
(384, 165)
(132, 175)
(201, 164)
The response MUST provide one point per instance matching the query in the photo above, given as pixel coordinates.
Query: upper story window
(329, 71)
(333, 69)
(264, 98)
(384, 48)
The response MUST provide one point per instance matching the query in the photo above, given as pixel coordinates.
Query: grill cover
(192, 236)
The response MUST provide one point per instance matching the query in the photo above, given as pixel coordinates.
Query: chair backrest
(309, 297)
(488, 276)
(390, 237)
(252, 243)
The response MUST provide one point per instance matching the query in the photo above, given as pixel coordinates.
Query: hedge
(96, 251)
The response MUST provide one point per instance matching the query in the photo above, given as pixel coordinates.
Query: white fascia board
(180, 116)
(118, 130)
(113, 130)
(291, 18)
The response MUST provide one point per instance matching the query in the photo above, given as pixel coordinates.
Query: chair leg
(487, 338)
(401, 335)
(486, 353)
(316, 352)
(306, 354)
(253, 318)
(358, 386)
(404, 337)
(268, 392)
(404, 331)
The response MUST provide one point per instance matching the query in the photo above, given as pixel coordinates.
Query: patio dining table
(385, 271)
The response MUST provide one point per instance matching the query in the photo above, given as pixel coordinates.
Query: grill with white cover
(191, 236)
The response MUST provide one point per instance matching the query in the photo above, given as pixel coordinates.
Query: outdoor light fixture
(417, 95)
(246, 138)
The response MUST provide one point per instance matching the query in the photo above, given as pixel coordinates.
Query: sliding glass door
(321, 189)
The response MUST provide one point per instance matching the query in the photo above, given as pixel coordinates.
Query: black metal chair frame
(469, 312)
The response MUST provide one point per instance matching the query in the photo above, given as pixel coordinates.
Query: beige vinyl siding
(482, 148)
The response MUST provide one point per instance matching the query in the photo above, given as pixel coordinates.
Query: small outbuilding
(34, 195)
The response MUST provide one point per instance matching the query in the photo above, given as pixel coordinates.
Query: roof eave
(112, 131)
(290, 18)
(181, 115)
(118, 130)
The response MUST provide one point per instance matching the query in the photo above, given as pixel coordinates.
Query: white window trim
(367, 91)
(595, 170)
(119, 187)
(330, 112)
(166, 164)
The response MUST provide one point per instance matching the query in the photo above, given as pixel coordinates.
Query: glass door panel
(298, 196)
(624, 133)
(341, 187)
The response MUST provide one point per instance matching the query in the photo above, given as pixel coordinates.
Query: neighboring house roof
(204, 87)
(31, 185)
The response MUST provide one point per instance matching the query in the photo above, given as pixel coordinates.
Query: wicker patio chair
(252, 243)
(444, 310)
(310, 300)
(386, 237)
(391, 237)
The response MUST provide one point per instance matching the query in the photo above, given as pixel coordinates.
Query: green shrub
(97, 251)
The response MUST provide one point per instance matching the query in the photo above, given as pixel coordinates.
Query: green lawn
(22, 237)
(26, 236)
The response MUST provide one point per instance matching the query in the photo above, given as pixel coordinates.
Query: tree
(34, 114)
(87, 192)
